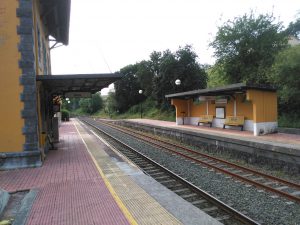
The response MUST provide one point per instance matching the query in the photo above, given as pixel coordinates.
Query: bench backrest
(206, 118)
(237, 120)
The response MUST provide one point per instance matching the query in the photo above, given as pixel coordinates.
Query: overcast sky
(106, 35)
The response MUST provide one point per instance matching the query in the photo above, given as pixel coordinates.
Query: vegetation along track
(199, 198)
(267, 182)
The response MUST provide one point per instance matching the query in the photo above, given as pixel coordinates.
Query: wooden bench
(206, 119)
(234, 121)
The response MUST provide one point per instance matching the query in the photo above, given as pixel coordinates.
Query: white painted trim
(264, 128)
(179, 121)
(234, 107)
(206, 107)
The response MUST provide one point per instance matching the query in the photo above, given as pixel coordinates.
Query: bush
(289, 120)
(65, 115)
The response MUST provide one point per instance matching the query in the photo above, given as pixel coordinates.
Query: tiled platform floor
(70, 189)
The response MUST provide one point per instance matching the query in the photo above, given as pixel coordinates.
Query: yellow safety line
(123, 208)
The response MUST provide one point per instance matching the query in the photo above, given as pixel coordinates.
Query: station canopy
(56, 16)
(76, 83)
(228, 90)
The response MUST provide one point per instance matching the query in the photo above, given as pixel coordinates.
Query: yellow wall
(200, 109)
(256, 105)
(243, 108)
(181, 106)
(11, 123)
(264, 105)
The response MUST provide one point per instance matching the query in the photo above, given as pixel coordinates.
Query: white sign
(221, 101)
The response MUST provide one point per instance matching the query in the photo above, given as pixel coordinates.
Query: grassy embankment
(151, 112)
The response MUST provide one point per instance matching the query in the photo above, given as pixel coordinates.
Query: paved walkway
(70, 189)
(279, 138)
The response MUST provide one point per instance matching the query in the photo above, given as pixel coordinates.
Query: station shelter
(250, 107)
(30, 94)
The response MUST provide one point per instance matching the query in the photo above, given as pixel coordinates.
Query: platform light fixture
(177, 82)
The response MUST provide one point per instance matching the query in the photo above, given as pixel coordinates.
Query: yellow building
(254, 106)
(29, 30)
(25, 30)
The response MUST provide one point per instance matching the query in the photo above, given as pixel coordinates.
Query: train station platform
(292, 140)
(283, 149)
(85, 182)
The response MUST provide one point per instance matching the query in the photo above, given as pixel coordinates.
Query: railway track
(261, 180)
(191, 193)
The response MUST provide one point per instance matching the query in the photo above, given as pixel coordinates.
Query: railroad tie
(198, 201)
(281, 188)
(295, 193)
(188, 195)
(181, 190)
(210, 209)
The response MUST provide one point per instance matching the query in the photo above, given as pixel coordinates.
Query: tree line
(250, 48)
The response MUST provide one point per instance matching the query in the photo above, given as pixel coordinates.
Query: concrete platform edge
(4, 197)
(273, 151)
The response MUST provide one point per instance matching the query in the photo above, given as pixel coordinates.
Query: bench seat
(206, 119)
(234, 121)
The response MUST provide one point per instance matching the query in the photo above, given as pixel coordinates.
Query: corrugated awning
(61, 84)
(225, 90)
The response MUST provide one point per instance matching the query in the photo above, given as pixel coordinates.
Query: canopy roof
(225, 90)
(56, 16)
(61, 84)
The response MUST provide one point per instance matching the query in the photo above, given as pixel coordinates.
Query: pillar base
(265, 128)
(18, 160)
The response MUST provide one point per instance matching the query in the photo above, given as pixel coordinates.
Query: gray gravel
(257, 204)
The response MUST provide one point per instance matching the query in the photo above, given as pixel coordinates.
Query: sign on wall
(220, 112)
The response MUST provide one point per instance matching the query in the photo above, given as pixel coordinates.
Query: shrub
(65, 115)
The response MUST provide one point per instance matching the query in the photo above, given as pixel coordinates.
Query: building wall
(12, 138)
(264, 111)
(258, 107)
(243, 107)
(264, 105)
(42, 62)
(180, 106)
(19, 120)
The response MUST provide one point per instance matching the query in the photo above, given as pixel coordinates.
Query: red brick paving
(70, 189)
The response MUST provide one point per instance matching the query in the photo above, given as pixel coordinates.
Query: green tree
(145, 76)
(91, 105)
(216, 76)
(294, 27)
(126, 89)
(246, 47)
(285, 74)
(181, 65)
(111, 103)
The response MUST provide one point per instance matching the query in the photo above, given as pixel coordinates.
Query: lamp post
(178, 82)
(141, 92)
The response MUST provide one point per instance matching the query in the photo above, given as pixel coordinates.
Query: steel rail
(231, 211)
(257, 184)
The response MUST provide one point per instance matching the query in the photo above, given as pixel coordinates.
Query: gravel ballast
(264, 207)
